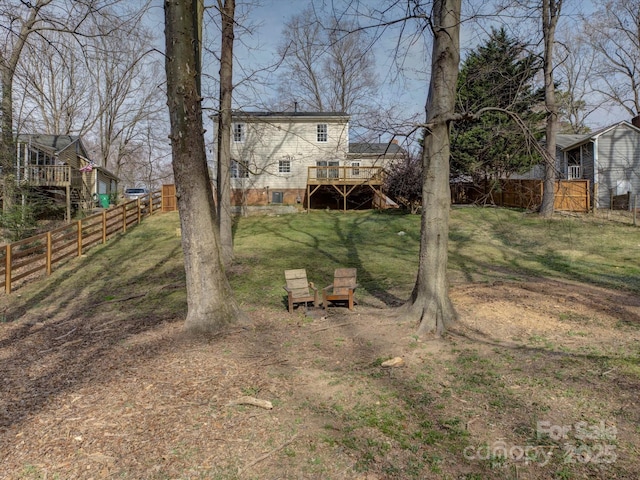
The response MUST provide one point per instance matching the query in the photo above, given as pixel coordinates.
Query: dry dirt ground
(542, 367)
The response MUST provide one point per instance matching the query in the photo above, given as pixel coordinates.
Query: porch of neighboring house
(71, 184)
(53, 166)
(346, 184)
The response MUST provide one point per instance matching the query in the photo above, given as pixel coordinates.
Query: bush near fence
(570, 195)
(38, 255)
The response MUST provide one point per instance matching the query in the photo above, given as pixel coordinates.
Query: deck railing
(38, 255)
(344, 174)
(574, 172)
(45, 175)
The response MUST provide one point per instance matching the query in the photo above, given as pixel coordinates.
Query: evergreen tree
(498, 74)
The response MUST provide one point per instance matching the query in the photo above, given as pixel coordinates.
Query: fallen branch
(333, 326)
(398, 322)
(256, 402)
(66, 334)
(116, 300)
(268, 454)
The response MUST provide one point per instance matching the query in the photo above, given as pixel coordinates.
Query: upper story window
(284, 166)
(239, 170)
(239, 132)
(322, 132)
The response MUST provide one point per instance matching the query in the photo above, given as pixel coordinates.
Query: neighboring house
(304, 158)
(59, 166)
(609, 158)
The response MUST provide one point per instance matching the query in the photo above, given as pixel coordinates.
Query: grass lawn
(537, 380)
(485, 244)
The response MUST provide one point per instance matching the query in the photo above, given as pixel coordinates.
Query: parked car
(135, 193)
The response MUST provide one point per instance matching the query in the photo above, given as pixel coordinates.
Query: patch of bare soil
(538, 380)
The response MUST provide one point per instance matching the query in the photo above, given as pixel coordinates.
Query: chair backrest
(344, 279)
(297, 282)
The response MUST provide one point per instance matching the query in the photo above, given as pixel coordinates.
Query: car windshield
(136, 190)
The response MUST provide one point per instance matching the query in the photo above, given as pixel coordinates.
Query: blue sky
(406, 92)
(406, 89)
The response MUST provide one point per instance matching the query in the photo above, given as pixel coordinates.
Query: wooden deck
(335, 175)
(45, 175)
(344, 179)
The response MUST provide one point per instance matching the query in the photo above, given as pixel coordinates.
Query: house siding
(587, 162)
(617, 164)
(262, 142)
(269, 141)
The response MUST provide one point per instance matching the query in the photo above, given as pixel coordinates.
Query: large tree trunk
(8, 64)
(550, 14)
(227, 13)
(429, 303)
(211, 305)
(7, 144)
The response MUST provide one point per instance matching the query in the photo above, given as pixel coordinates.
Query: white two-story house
(304, 159)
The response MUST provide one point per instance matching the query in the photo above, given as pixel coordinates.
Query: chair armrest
(313, 287)
(327, 288)
(287, 289)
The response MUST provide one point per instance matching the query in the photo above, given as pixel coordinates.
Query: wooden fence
(570, 195)
(38, 255)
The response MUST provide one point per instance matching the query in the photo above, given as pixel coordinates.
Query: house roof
(569, 141)
(53, 143)
(300, 115)
(565, 140)
(375, 148)
(57, 143)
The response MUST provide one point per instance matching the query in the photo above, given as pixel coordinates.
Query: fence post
(104, 226)
(124, 217)
(635, 208)
(150, 203)
(611, 199)
(139, 205)
(7, 274)
(49, 253)
(79, 238)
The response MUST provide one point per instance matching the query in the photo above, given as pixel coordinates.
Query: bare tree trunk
(429, 303)
(211, 305)
(8, 64)
(550, 14)
(227, 12)
(7, 144)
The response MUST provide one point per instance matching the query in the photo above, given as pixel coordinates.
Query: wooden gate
(169, 201)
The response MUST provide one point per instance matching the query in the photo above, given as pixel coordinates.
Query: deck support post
(68, 199)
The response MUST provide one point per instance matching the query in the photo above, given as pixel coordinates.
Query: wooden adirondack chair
(299, 290)
(343, 287)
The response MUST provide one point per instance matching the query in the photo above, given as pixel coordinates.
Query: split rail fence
(38, 255)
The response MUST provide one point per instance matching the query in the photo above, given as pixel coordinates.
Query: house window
(239, 170)
(355, 171)
(284, 166)
(322, 132)
(238, 132)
